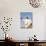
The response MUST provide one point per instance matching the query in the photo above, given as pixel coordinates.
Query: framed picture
(26, 20)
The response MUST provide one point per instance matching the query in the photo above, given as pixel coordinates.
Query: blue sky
(24, 14)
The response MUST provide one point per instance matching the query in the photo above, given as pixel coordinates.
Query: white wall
(45, 28)
(12, 8)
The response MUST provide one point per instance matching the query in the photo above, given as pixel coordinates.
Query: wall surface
(12, 8)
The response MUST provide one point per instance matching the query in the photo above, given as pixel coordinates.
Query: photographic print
(26, 20)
